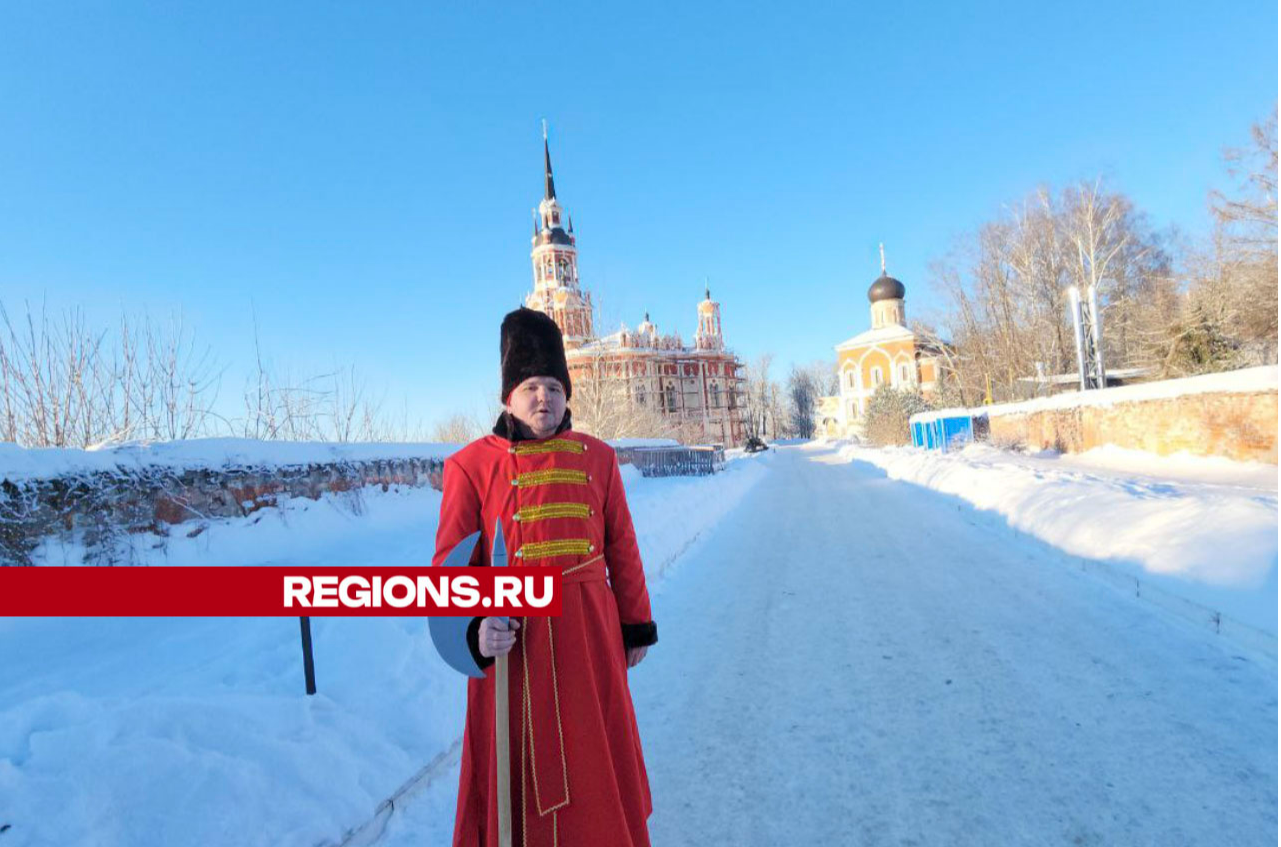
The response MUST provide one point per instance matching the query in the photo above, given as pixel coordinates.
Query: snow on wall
(1232, 382)
(1244, 381)
(22, 463)
(119, 508)
(114, 503)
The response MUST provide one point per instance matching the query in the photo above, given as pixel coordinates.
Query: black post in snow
(308, 665)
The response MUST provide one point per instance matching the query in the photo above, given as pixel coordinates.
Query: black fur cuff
(640, 634)
(473, 644)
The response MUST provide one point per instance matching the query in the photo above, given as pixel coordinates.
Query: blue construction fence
(950, 429)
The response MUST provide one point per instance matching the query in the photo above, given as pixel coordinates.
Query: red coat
(578, 775)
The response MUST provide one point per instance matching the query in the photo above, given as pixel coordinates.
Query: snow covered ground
(1199, 534)
(845, 658)
(849, 659)
(137, 731)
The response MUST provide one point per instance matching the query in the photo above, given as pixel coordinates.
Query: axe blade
(449, 634)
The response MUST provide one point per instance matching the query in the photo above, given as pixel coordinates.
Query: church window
(716, 396)
(671, 398)
(877, 377)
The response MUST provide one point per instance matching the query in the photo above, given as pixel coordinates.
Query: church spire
(549, 187)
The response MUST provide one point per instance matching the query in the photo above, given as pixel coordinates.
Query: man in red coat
(578, 775)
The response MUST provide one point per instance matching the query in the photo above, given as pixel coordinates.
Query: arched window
(904, 374)
(716, 396)
(671, 397)
(877, 376)
(849, 379)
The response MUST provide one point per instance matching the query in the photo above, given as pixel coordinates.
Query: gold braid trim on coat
(548, 476)
(555, 445)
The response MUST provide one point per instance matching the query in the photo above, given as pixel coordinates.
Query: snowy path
(848, 659)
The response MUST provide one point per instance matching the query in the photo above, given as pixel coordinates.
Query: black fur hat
(531, 345)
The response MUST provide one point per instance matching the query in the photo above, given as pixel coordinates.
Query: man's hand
(634, 655)
(496, 637)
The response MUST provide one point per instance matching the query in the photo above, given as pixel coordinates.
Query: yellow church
(886, 354)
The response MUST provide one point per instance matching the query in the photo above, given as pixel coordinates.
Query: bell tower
(555, 259)
(708, 335)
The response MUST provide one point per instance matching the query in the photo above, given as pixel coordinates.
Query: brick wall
(1234, 425)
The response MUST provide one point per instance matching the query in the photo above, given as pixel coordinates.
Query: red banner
(278, 591)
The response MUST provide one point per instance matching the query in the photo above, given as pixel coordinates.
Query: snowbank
(1203, 530)
(1244, 381)
(195, 731)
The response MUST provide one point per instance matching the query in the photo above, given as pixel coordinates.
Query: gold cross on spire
(882, 258)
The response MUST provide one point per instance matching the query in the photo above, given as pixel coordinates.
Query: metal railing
(674, 461)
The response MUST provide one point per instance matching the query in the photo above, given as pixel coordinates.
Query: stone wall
(97, 507)
(1231, 423)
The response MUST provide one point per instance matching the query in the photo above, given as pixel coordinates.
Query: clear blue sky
(362, 174)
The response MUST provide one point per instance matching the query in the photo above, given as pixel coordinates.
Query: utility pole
(1087, 329)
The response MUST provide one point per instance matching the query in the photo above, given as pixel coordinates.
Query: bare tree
(281, 407)
(610, 402)
(803, 397)
(66, 384)
(458, 428)
(1246, 243)
(1251, 216)
(757, 395)
(824, 377)
(183, 381)
(1005, 289)
(62, 387)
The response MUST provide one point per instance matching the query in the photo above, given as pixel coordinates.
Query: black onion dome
(886, 287)
(555, 236)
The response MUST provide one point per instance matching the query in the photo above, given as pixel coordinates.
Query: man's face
(538, 403)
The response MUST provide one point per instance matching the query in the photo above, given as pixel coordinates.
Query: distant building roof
(873, 336)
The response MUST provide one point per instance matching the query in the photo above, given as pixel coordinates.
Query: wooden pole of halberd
(502, 749)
